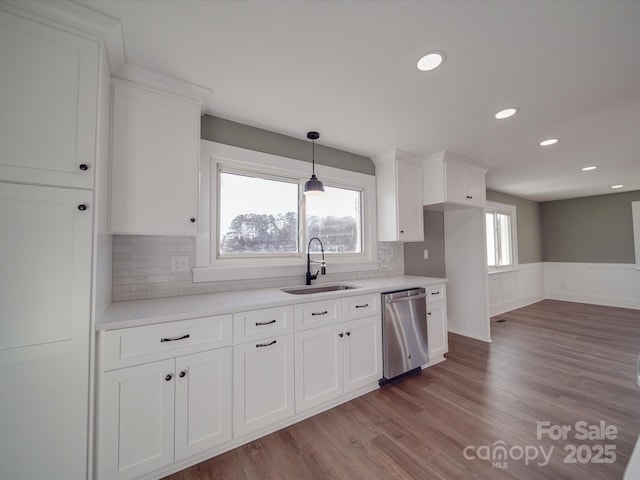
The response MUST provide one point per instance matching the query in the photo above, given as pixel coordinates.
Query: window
(501, 237)
(256, 223)
(335, 219)
(259, 217)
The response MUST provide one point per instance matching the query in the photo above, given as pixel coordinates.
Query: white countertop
(136, 313)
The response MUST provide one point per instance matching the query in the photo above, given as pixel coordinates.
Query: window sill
(248, 272)
(504, 270)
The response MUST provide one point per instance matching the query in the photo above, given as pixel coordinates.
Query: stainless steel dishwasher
(405, 344)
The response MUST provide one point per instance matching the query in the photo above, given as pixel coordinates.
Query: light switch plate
(426, 254)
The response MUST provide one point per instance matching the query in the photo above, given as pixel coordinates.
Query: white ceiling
(347, 69)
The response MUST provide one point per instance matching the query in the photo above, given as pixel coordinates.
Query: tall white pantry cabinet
(54, 117)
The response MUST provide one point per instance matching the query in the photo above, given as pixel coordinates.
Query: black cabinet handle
(265, 344)
(84, 167)
(192, 220)
(182, 374)
(469, 197)
(168, 377)
(261, 324)
(401, 231)
(348, 334)
(173, 339)
(428, 313)
(435, 293)
(82, 207)
(319, 313)
(362, 306)
(341, 335)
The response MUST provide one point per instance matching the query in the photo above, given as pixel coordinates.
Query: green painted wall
(595, 229)
(528, 226)
(414, 261)
(224, 131)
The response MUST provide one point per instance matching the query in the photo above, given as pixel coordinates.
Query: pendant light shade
(313, 186)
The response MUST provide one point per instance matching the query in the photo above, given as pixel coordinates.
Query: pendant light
(313, 186)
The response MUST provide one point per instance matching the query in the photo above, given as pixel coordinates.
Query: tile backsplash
(142, 269)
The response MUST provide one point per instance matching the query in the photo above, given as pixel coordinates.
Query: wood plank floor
(552, 361)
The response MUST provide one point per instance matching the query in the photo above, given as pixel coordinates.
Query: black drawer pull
(265, 344)
(435, 293)
(362, 306)
(319, 313)
(260, 324)
(173, 339)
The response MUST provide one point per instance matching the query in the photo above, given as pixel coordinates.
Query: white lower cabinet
(139, 404)
(203, 401)
(437, 330)
(336, 359)
(262, 383)
(362, 353)
(160, 412)
(437, 326)
(319, 366)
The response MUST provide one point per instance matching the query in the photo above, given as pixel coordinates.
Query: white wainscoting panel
(516, 288)
(611, 284)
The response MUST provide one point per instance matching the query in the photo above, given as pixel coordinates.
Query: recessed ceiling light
(431, 61)
(587, 169)
(617, 186)
(548, 141)
(506, 113)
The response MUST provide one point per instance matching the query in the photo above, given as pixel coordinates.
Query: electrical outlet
(426, 254)
(180, 264)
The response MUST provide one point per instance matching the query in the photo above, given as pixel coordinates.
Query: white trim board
(611, 284)
(516, 288)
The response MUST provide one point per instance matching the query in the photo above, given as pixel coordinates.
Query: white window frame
(635, 214)
(492, 207)
(209, 267)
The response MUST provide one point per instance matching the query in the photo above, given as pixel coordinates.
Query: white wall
(616, 285)
(612, 284)
(517, 288)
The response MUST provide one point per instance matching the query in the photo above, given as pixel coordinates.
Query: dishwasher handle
(407, 299)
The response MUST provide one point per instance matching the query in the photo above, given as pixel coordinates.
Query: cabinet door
(475, 185)
(48, 91)
(362, 353)
(409, 192)
(455, 183)
(136, 423)
(262, 383)
(156, 140)
(437, 330)
(203, 401)
(319, 366)
(45, 291)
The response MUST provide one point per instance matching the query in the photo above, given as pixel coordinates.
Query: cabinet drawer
(361, 306)
(130, 346)
(436, 292)
(316, 314)
(257, 324)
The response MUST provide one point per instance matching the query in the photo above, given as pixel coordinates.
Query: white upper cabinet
(156, 140)
(48, 91)
(399, 197)
(448, 179)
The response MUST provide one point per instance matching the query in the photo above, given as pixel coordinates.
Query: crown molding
(172, 85)
(77, 18)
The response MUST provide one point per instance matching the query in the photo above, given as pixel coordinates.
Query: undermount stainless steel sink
(316, 289)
